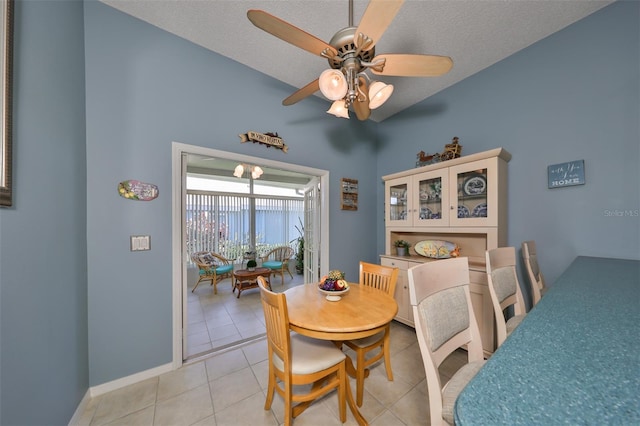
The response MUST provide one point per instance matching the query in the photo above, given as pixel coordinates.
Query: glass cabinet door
(397, 203)
(474, 201)
(433, 199)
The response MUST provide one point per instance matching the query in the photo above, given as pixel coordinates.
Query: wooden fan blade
(376, 19)
(362, 109)
(287, 32)
(406, 65)
(361, 104)
(307, 90)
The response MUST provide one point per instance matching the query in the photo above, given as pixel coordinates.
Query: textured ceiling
(474, 33)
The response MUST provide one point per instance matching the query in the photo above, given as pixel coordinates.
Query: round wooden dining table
(361, 312)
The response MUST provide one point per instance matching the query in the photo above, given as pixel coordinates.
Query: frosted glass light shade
(256, 172)
(379, 92)
(333, 84)
(338, 109)
(239, 170)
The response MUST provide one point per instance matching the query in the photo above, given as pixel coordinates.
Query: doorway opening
(204, 321)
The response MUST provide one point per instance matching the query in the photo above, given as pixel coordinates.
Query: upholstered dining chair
(295, 360)
(445, 321)
(505, 290)
(383, 278)
(278, 260)
(536, 279)
(211, 267)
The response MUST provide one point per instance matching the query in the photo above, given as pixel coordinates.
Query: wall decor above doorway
(268, 139)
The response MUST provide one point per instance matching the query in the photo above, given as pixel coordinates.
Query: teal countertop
(575, 358)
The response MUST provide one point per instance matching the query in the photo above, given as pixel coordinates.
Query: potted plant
(299, 242)
(402, 247)
(251, 265)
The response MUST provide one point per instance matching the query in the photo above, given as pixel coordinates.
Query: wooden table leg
(352, 405)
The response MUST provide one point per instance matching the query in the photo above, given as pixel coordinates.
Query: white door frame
(178, 191)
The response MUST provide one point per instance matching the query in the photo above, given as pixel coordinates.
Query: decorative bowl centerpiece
(333, 285)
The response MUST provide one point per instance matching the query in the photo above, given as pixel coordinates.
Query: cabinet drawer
(394, 263)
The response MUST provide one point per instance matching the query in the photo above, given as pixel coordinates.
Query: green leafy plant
(299, 242)
(401, 243)
(252, 264)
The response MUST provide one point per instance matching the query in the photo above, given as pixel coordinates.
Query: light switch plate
(140, 242)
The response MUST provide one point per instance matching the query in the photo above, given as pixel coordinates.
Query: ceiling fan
(351, 52)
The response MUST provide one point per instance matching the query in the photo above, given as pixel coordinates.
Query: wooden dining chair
(212, 267)
(383, 278)
(505, 290)
(278, 260)
(299, 360)
(536, 279)
(445, 321)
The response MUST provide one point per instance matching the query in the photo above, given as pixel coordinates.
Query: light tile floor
(218, 320)
(228, 387)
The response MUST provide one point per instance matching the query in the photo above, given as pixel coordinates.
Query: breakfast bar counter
(575, 358)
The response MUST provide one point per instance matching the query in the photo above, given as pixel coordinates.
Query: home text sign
(566, 174)
(269, 139)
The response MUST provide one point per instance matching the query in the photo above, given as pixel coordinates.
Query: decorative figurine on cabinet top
(451, 150)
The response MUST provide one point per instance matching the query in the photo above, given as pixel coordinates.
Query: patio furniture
(278, 260)
(212, 267)
(243, 279)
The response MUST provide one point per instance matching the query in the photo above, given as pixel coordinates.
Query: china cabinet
(460, 201)
(464, 194)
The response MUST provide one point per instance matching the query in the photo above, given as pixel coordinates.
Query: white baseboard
(129, 380)
(80, 410)
(114, 385)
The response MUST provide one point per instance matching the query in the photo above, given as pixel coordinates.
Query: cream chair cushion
(445, 315)
(310, 355)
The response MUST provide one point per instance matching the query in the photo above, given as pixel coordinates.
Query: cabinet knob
(451, 207)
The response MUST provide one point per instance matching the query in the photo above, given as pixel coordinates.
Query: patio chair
(278, 260)
(212, 267)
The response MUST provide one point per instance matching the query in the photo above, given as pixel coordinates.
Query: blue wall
(145, 89)
(43, 262)
(571, 96)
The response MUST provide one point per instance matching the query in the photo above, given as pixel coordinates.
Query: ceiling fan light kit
(350, 53)
(379, 92)
(338, 109)
(333, 84)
